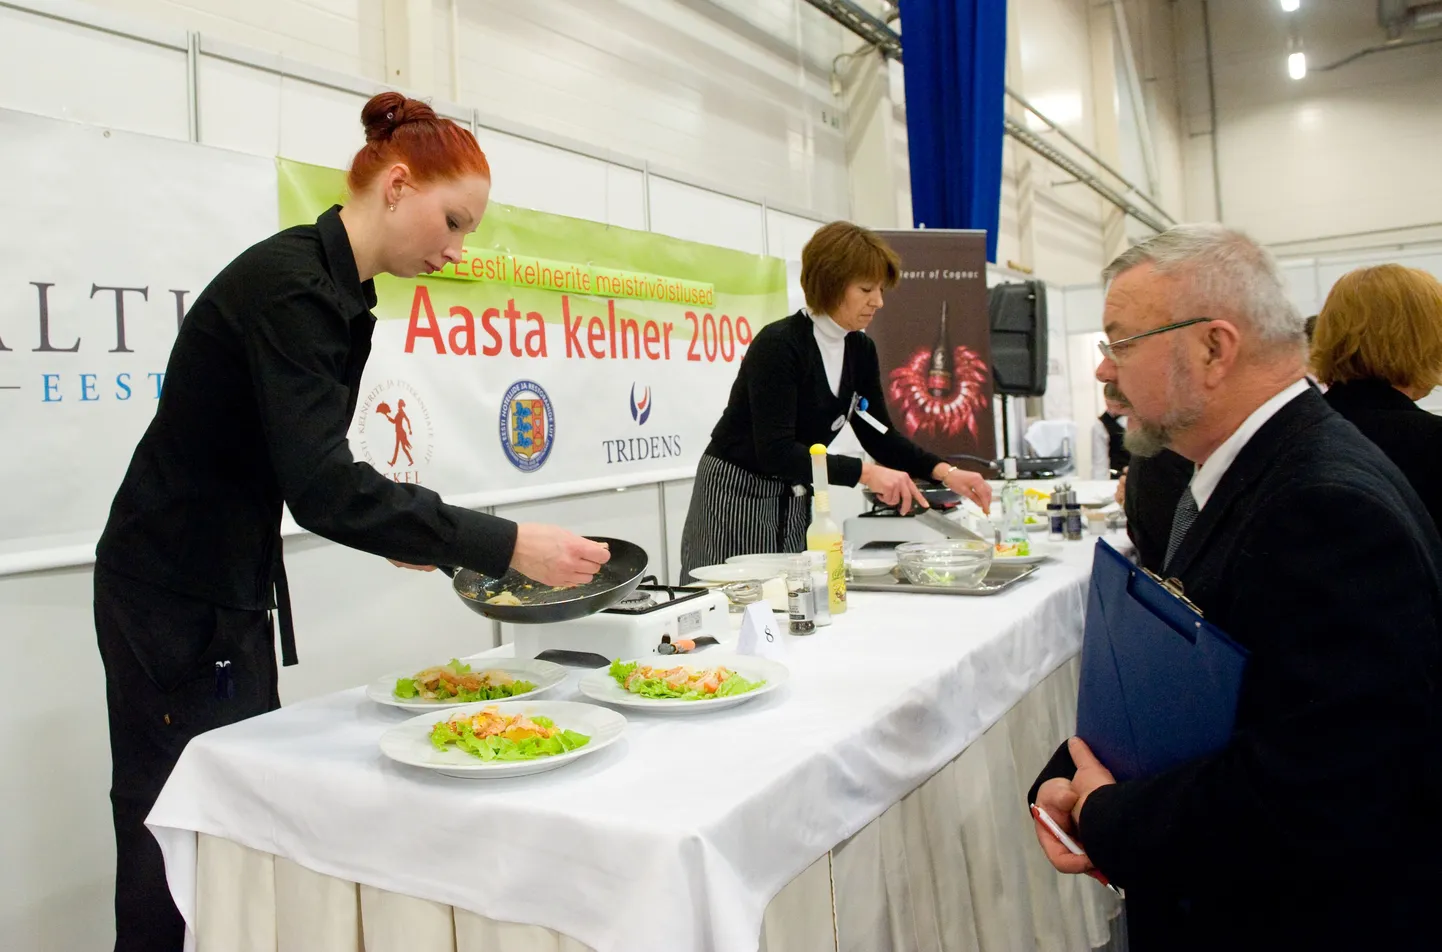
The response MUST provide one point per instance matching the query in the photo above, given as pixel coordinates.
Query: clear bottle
(1013, 510)
(939, 374)
(820, 588)
(824, 533)
(800, 602)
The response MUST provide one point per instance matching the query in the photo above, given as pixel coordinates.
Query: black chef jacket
(258, 396)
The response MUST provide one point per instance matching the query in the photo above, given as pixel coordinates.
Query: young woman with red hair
(259, 393)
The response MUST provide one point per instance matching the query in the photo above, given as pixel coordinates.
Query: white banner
(594, 358)
(108, 236)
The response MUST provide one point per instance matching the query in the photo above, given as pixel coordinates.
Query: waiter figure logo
(402, 446)
(528, 425)
(402, 423)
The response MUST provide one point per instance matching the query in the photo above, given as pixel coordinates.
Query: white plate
(544, 674)
(600, 686)
(724, 574)
(410, 742)
(773, 562)
(1040, 551)
(864, 566)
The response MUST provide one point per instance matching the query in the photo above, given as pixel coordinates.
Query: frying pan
(542, 603)
(935, 496)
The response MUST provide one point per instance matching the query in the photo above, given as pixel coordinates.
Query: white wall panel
(344, 35)
(240, 107)
(548, 179)
(787, 234)
(728, 92)
(319, 125)
(684, 211)
(71, 72)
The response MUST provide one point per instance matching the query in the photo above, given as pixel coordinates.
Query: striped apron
(736, 512)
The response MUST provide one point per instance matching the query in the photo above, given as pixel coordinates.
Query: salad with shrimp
(457, 682)
(491, 735)
(680, 682)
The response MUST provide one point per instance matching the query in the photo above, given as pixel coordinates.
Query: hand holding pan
(532, 602)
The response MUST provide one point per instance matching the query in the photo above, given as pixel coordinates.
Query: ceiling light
(1297, 65)
(1290, 6)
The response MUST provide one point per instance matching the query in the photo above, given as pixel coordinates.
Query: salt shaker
(1073, 517)
(1055, 517)
(800, 602)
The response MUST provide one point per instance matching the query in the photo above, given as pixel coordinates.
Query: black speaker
(1018, 338)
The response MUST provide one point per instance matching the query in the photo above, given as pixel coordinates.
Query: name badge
(838, 423)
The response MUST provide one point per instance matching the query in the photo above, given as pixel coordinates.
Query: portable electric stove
(885, 527)
(648, 621)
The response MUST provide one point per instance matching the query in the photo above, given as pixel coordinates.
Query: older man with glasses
(1300, 539)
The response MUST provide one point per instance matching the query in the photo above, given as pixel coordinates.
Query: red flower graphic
(953, 411)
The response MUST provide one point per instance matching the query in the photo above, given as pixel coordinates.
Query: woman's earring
(393, 208)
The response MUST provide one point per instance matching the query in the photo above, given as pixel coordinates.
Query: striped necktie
(1182, 520)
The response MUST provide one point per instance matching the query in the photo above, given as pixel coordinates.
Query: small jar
(1073, 517)
(800, 602)
(820, 588)
(1055, 518)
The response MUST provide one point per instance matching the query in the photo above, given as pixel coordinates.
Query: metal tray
(998, 579)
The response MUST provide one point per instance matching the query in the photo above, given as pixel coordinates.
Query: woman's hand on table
(892, 487)
(553, 556)
(966, 484)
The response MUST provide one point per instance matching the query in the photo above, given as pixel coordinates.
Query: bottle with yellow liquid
(824, 535)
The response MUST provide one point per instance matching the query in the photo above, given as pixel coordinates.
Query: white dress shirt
(1204, 483)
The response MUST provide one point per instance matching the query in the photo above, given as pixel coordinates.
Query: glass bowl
(959, 563)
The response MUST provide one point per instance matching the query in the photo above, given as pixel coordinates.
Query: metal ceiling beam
(1091, 180)
(871, 29)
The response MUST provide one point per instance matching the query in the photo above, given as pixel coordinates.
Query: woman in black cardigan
(799, 384)
(1378, 348)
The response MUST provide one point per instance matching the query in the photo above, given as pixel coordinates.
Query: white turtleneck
(831, 341)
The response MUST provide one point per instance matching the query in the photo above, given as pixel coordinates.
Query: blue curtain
(954, 55)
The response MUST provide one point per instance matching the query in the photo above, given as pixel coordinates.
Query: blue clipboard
(1159, 683)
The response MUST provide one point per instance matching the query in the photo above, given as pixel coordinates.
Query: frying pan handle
(450, 570)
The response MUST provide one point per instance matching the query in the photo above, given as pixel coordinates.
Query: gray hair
(1227, 272)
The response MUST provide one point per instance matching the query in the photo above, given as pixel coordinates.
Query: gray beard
(1144, 439)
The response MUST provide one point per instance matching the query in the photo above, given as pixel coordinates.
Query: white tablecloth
(677, 837)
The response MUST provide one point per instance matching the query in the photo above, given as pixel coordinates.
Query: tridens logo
(640, 408)
(528, 425)
(395, 431)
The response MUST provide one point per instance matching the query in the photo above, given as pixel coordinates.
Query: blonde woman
(1378, 348)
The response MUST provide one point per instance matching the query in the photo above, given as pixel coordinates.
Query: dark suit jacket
(1313, 552)
(1410, 436)
(1154, 484)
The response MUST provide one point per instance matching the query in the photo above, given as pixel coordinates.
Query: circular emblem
(395, 431)
(528, 425)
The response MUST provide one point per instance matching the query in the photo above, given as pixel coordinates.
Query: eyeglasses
(1109, 348)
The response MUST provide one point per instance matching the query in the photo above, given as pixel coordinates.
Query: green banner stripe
(307, 190)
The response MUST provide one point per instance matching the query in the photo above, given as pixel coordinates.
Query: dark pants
(160, 652)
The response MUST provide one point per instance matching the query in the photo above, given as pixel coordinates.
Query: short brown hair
(1383, 322)
(837, 255)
